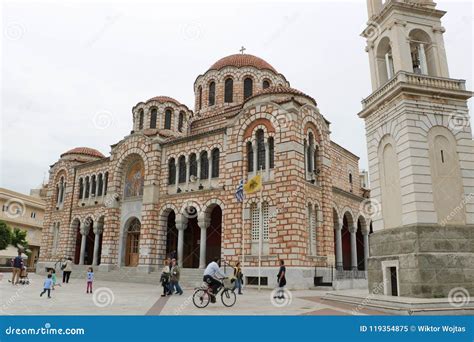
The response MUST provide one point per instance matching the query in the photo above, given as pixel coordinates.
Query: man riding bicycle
(210, 273)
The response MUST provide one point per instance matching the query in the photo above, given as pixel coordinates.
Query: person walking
(165, 278)
(90, 279)
(54, 278)
(281, 278)
(238, 278)
(48, 283)
(17, 265)
(175, 272)
(67, 269)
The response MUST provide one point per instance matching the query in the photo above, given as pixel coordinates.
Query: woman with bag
(67, 269)
(238, 278)
(165, 278)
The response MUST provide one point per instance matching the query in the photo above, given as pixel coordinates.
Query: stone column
(103, 184)
(198, 160)
(90, 187)
(209, 161)
(187, 172)
(352, 230)
(84, 231)
(177, 176)
(255, 166)
(366, 250)
(338, 229)
(97, 185)
(98, 228)
(267, 161)
(181, 225)
(203, 224)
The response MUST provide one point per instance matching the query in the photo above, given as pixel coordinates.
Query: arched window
(192, 165)
(266, 84)
(106, 181)
(199, 98)
(271, 151)
(168, 119)
(182, 169)
(260, 150)
(212, 93)
(248, 87)
(249, 156)
(422, 53)
(180, 121)
(309, 152)
(228, 90)
(134, 180)
(101, 184)
(62, 186)
(140, 119)
(316, 158)
(153, 118)
(384, 58)
(204, 160)
(94, 185)
(350, 178)
(215, 163)
(86, 192)
(81, 188)
(171, 171)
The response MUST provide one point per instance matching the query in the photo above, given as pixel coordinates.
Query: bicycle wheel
(201, 298)
(228, 297)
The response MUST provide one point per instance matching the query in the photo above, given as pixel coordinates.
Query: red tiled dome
(164, 99)
(84, 151)
(281, 90)
(242, 60)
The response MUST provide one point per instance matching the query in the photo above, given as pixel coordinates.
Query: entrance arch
(191, 238)
(171, 233)
(214, 233)
(347, 222)
(132, 247)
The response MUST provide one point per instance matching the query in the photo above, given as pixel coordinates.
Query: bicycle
(202, 295)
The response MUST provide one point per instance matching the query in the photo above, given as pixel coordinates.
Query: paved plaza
(120, 298)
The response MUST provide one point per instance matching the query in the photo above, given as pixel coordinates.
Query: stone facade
(169, 186)
(420, 151)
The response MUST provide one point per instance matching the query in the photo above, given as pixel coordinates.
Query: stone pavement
(119, 298)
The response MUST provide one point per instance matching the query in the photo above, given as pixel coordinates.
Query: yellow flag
(253, 185)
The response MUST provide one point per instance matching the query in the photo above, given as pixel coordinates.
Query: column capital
(84, 230)
(98, 228)
(181, 223)
(352, 229)
(338, 226)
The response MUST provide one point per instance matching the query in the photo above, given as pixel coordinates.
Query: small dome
(242, 60)
(163, 99)
(87, 151)
(281, 90)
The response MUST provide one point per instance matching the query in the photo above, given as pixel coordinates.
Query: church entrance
(191, 244)
(214, 235)
(171, 235)
(132, 249)
(89, 252)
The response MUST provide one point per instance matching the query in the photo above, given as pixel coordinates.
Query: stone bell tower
(421, 155)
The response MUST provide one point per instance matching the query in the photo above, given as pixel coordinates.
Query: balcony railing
(415, 80)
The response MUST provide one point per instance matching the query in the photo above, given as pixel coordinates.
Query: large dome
(87, 151)
(242, 60)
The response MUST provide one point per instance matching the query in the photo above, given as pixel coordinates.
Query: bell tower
(421, 154)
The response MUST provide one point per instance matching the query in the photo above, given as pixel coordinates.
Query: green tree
(18, 239)
(5, 235)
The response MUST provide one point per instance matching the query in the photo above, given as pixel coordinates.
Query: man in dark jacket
(17, 266)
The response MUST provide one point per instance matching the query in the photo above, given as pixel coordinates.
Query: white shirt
(212, 269)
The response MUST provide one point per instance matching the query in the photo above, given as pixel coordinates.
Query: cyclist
(210, 273)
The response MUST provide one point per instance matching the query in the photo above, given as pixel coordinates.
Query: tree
(18, 239)
(5, 235)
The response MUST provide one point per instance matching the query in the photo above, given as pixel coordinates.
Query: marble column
(352, 230)
(198, 160)
(339, 263)
(255, 166)
(90, 187)
(98, 229)
(267, 161)
(203, 224)
(181, 225)
(366, 250)
(84, 231)
(97, 186)
(187, 172)
(209, 158)
(177, 175)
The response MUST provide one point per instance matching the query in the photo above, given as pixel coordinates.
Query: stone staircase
(190, 277)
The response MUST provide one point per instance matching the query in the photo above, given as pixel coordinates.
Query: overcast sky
(67, 65)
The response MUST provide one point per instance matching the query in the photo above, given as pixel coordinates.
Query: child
(53, 278)
(90, 279)
(48, 283)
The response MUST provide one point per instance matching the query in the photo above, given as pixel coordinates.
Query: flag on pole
(253, 185)
(239, 193)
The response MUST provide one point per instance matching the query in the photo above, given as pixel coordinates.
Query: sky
(71, 71)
